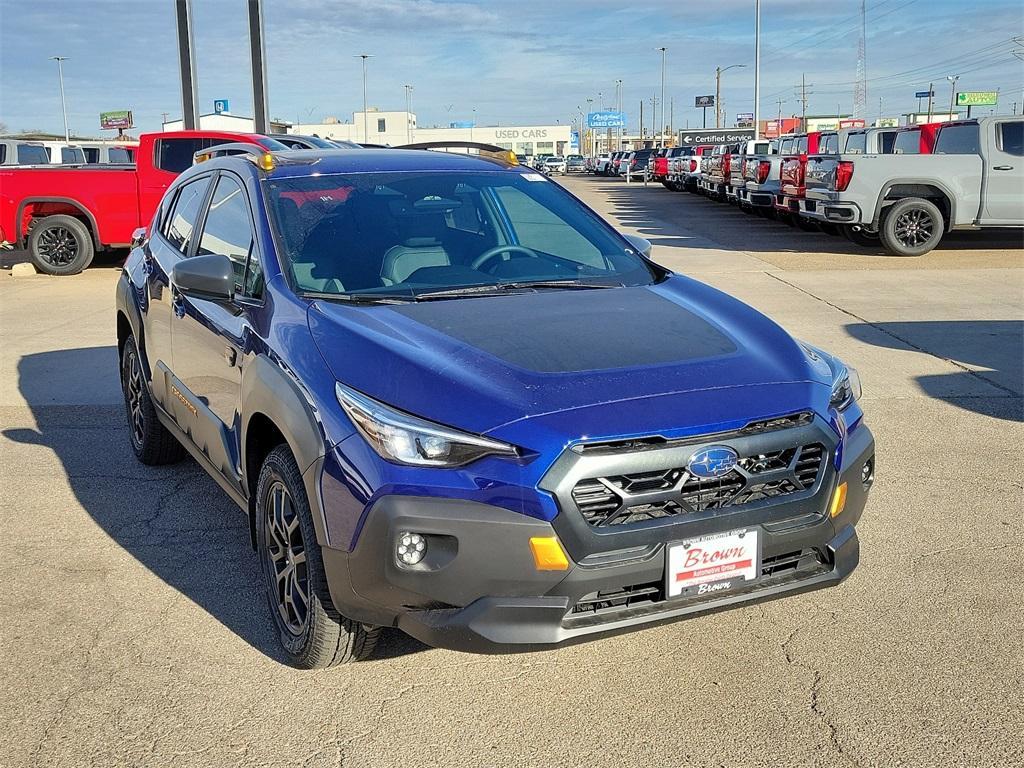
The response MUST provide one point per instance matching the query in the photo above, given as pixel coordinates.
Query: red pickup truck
(63, 215)
(791, 173)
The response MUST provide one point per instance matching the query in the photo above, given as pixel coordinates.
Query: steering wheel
(490, 253)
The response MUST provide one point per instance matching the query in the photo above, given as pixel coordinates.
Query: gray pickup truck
(974, 178)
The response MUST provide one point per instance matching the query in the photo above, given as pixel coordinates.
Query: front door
(1004, 174)
(211, 340)
(170, 240)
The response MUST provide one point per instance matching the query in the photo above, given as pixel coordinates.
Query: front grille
(622, 500)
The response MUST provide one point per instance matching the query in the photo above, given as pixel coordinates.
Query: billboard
(606, 119)
(118, 119)
(775, 128)
(221, 107)
(745, 120)
(977, 98)
(704, 101)
(852, 122)
(462, 124)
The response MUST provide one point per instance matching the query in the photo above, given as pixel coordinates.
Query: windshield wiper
(524, 285)
(359, 298)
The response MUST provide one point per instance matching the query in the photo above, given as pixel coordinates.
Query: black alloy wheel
(286, 553)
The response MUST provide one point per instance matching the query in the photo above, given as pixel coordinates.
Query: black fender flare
(268, 389)
(887, 187)
(21, 237)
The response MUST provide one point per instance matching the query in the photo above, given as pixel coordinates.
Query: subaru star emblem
(712, 462)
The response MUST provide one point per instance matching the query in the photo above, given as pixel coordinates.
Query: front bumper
(479, 590)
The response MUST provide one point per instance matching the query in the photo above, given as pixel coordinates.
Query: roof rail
(260, 156)
(488, 151)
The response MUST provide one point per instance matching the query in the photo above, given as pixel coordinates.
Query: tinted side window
(3, 153)
(71, 155)
(888, 143)
(857, 143)
(182, 221)
(92, 155)
(907, 143)
(958, 140)
(801, 145)
(118, 155)
(29, 154)
(829, 144)
(175, 155)
(1011, 138)
(228, 227)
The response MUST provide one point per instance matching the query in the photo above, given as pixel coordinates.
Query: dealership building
(396, 128)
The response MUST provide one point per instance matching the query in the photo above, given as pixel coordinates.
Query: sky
(519, 62)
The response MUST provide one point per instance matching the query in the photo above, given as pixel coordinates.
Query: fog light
(867, 472)
(411, 548)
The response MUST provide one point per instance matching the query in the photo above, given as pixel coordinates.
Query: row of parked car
(900, 189)
(21, 151)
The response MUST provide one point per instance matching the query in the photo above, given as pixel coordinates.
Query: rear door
(210, 339)
(1004, 173)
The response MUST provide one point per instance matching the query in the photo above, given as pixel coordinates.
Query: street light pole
(618, 108)
(718, 91)
(663, 50)
(757, 69)
(408, 114)
(364, 57)
(63, 104)
(952, 91)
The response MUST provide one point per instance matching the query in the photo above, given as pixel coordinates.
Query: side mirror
(640, 244)
(210, 277)
(138, 237)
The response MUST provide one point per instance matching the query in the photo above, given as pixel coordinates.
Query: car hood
(670, 358)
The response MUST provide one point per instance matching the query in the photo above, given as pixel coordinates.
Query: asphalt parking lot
(135, 631)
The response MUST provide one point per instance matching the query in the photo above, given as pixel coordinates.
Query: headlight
(405, 439)
(846, 388)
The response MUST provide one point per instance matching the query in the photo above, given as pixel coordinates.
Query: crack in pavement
(908, 342)
(815, 691)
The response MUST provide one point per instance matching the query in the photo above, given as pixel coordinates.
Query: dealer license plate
(715, 563)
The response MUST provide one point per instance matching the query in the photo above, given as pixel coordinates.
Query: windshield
(402, 235)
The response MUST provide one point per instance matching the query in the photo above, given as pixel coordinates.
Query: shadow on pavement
(994, 346)
(175, 519)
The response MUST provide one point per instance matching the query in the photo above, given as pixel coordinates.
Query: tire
(911, 227)
(316, 635)
(804, 224)
(151, 442)
(861, 237)
(60, 245)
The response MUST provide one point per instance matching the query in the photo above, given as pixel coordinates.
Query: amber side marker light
(838, 501)
(548, 554)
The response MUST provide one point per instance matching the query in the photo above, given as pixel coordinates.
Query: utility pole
(408, 114)
(719, 112)
(757, 69)
(641, 119)
(803, 101)
(63, 104)
(618, 108)
(663, 50)
(671, 117)
(187, 65)
(258, 64)
(164, 115)
(931, 92)
(364, 57)
(780, 102)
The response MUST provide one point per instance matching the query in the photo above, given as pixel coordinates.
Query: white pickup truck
(973, 178)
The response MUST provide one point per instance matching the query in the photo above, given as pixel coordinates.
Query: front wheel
(151, 443)
(311, 630)
(60, 245)
(911, 227)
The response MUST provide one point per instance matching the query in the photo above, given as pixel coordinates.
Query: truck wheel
(861, 237)
(911, 227)
(151, 442)
(60, 245)
(314, 635)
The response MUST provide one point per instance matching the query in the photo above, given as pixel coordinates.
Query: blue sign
(924, 95)
(574, 138)
(221, 106)
(606, 119)
(462, 124)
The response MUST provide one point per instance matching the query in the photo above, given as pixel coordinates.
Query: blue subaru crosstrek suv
(453, 400)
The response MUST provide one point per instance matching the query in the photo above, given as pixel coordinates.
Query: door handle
(1002, 167)
(178, 305)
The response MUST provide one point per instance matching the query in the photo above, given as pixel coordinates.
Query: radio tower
(860, 90)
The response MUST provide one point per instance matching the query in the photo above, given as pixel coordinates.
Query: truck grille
(622, 500)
